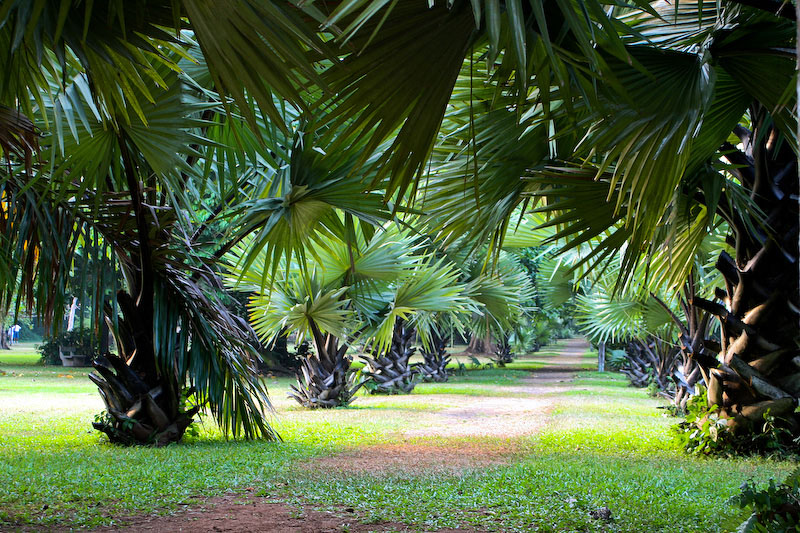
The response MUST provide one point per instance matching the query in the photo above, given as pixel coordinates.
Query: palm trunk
(754, 368)
(4, 341)
(326, 380)
(390, 373)
(502, 352)
(478, 345)
(434, 367)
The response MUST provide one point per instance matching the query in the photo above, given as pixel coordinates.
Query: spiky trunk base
(652, 361)
(137, 412)
(391, 373)
(502, 353)
(434, 367)
(326, 380)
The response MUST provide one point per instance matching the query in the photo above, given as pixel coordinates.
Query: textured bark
(434, 367)
(137, 411)
(753, 362)
(652, 360)
(143, 405)
(325, 379)
(391, 373)
(480, 346)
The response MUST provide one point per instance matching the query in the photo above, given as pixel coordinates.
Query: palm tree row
(283, 117)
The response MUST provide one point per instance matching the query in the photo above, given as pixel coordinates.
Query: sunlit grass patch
(20, 354)
(551, 491)
(20, 379)
(465, 389)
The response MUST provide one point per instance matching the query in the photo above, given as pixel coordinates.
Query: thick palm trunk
(326, 379)
(478, 345)
(391, 373)
(434, 366)
(143, 405)
(754, 369)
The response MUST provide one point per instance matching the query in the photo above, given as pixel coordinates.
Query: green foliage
(706, 432)
(776, 508)
(615, 359)
(373, 387)
(703, 432)
(477, 365)
(83, 340)
(504, 292)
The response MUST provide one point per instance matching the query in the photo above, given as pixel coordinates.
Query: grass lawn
(600, 444)
(23, 353)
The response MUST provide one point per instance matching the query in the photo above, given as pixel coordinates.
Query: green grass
(553, 491)
(23, 353)
(605, 444)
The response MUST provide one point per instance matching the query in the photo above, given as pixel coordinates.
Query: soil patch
(246, 512)
(444, 456)
(480, 431)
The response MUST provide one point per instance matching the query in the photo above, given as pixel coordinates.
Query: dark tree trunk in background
(478, 345)
(601, 357)
(4, 340)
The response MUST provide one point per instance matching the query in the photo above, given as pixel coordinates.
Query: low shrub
(776, 508)
(83, 340)
(706, 432)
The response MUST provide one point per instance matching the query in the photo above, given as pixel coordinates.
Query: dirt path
(240, 513)
(480, 431)
(485, 430)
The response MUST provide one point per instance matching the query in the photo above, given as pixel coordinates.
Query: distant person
(16, 328)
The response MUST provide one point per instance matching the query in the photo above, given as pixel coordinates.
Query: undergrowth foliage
(82, 340)
(705, 432)
(776, 508)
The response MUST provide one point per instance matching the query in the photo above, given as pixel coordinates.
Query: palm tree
(505, 293)
(665, 121)
(120, 168)
(350, 292)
